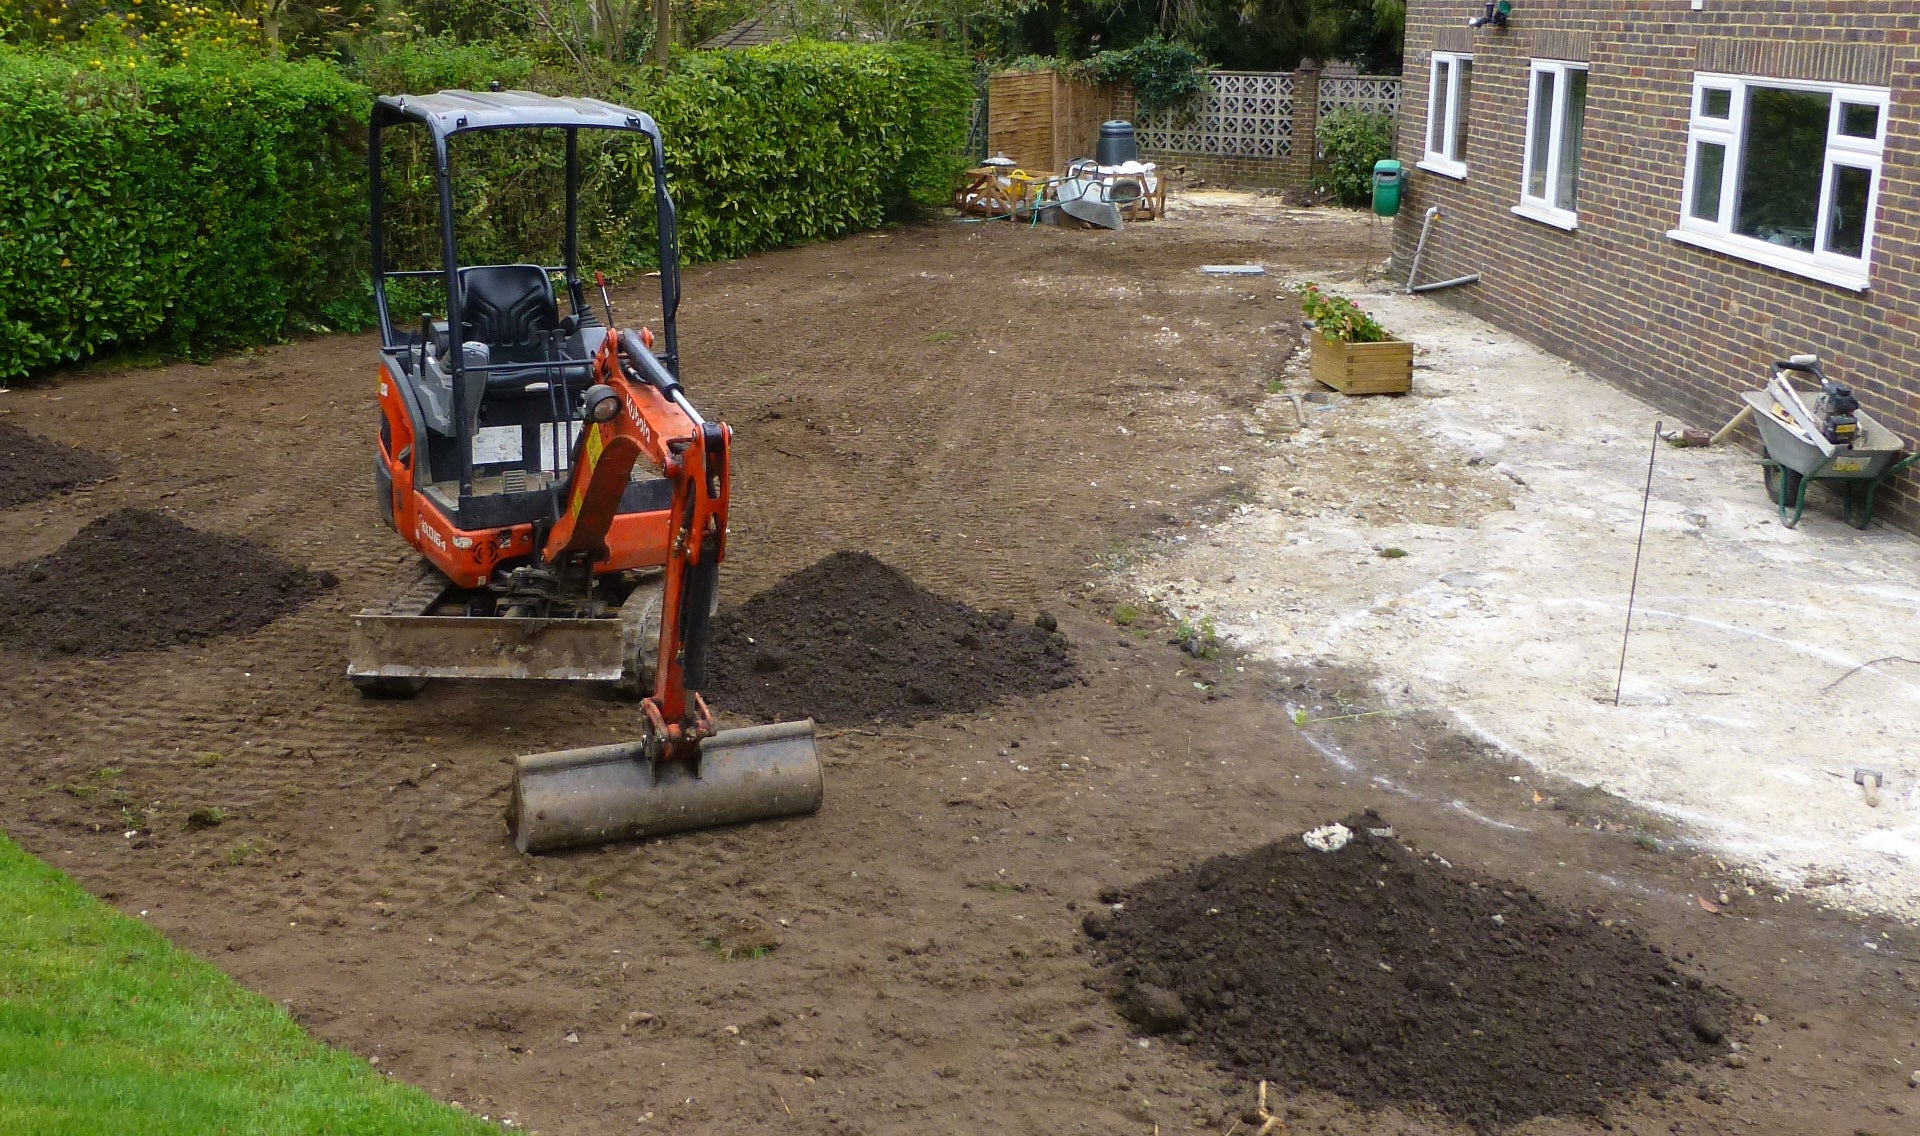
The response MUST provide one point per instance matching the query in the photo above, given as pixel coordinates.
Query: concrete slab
(1765, 665)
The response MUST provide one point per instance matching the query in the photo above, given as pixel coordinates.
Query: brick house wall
(1683, 327)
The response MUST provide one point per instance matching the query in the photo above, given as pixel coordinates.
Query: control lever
(606, 301)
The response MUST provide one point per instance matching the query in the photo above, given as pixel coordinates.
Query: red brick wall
(1680, 326)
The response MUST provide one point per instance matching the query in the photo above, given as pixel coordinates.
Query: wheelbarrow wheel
(1783, 484)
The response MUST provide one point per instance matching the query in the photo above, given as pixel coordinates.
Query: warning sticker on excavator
(556, 445)
(493, 444)
(593, 445)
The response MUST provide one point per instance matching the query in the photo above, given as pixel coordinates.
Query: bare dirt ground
(1005, 414)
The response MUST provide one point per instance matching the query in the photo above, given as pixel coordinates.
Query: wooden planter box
(1363, 368)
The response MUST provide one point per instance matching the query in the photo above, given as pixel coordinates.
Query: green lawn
(106, 1028)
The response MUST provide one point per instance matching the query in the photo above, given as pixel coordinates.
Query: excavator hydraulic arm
(636, 409)
(682, 773)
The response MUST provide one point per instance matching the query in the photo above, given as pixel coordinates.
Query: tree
(1370, 34)
(1259, 35)
(979, 26)
(467, 20)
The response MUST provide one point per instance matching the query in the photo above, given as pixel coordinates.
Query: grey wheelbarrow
(1799, 452)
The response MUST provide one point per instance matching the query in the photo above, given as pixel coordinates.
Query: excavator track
(422, 589)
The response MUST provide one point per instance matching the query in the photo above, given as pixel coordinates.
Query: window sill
(1558, 218)
(1759, 252)
(1455, 170)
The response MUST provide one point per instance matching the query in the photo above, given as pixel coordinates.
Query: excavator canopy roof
(454, 112)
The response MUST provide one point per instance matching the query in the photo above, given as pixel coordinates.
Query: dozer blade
(459, 646)
(600, 794)
(404, 642)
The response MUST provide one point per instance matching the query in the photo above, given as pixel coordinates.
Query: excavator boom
(681, 773)
(629, 418)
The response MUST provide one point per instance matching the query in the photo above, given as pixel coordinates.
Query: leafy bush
(766, 147)
(202, 204)
(1351, 141)
(1165, 74)
(1338, 318)
(437, 63)
(166, 28)
(938, 92)
(801, 142)
(220, 199)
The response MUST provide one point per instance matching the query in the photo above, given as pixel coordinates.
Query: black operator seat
(511, 309)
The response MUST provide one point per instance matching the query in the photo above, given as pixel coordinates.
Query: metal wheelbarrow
(1798, 454)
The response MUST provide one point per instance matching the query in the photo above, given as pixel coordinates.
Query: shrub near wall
(200, 205)
(1351, 142)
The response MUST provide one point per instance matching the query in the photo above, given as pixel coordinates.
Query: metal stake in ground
(1645, 498)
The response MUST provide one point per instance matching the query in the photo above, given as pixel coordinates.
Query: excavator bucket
(599, 794)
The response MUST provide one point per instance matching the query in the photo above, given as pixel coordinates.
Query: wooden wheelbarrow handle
(1737, 421)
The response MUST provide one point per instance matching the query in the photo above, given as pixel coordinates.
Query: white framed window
(1556, 120)
(1785, 173)
(1450, 83)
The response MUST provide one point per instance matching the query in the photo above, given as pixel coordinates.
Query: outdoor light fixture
(1496, 14)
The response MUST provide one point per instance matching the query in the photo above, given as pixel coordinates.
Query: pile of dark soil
(850, 639)
(135, 581)
(1387, 977)
(31, 467)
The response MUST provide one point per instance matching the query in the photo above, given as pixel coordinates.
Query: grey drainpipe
(1418, 249)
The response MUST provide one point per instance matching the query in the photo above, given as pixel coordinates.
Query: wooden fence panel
(1080, 109)
(1020, 118)
(1042, 121)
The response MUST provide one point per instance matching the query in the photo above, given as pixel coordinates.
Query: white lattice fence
(1363, 92)
(1244, 114)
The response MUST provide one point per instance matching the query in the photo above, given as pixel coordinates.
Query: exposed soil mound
(1387, 977)
(850, 639)
(135, 581)
(31, 467)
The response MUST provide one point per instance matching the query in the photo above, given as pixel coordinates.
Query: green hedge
(197, 206)
(772, 146)
(801, 142)
(221, 201)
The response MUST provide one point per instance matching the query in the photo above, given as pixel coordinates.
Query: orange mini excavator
(570, 505)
